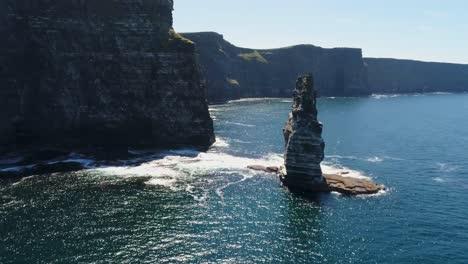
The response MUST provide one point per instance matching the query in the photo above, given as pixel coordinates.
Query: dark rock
(232, 72)
(407, 76)
(109, 73)
(333, 183)
(272, 169)
(304, 143)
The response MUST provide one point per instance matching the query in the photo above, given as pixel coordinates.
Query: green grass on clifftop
(176, 36)
(255, 55)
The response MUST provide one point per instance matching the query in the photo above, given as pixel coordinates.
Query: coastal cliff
(408, 76)
(232, 72)
(109, 73)
(304, 144)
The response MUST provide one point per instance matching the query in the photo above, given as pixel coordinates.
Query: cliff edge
(232, 72)
(109, 73)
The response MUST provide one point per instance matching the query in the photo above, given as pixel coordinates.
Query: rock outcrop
(304, 144)
(305, 150)
(98, 73)
(351, 186)
(333, 182)
(407, 76)
(233, 73)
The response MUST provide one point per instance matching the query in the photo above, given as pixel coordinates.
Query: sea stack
(305, 150)
(304, 143)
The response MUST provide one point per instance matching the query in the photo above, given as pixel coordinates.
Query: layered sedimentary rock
(304, 143)
(407, 76)
(305, 150)
(107, 72)
(232, 72)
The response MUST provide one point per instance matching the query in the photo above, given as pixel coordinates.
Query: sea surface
(182, 206)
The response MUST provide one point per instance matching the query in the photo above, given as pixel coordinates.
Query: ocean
(183, 206)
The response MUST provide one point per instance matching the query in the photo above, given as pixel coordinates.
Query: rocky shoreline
(333, 182)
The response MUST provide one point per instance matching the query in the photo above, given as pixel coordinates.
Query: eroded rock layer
(304, 143)
(107, 72)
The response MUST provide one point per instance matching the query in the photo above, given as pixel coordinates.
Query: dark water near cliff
(207, 208)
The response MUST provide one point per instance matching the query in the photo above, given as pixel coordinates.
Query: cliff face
(304, 144)
(406, 76)
(107, 72)
(233, 73)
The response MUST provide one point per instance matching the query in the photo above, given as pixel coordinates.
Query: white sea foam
(440, 180)
(342, 157)
(330, 168)
(384, 96)
(380, 193)
(161, 182)
(221, 143)
(215, 109)
(249, 100)
(444, 167)
(393, 158)
(241, 141)
(240, 124)
(440, 93)
(174, 170)
(375, 159)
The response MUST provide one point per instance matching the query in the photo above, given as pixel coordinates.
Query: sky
(428, 30)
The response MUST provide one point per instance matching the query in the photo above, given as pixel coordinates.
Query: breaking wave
(333, 168)
(196, 173)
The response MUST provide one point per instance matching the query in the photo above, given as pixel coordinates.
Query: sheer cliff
(407, 76)
(232, 72)
(98, 73)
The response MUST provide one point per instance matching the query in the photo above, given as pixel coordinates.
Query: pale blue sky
(430, 30)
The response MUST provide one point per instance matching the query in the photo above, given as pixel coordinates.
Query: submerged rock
(304, 143)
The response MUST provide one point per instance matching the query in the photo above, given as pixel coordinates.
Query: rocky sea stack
(98, 73)
(305, 150)
(304, 144)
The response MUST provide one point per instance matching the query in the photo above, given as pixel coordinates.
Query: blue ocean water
(188, 207)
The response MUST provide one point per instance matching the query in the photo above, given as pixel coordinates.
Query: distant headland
(233, 73)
